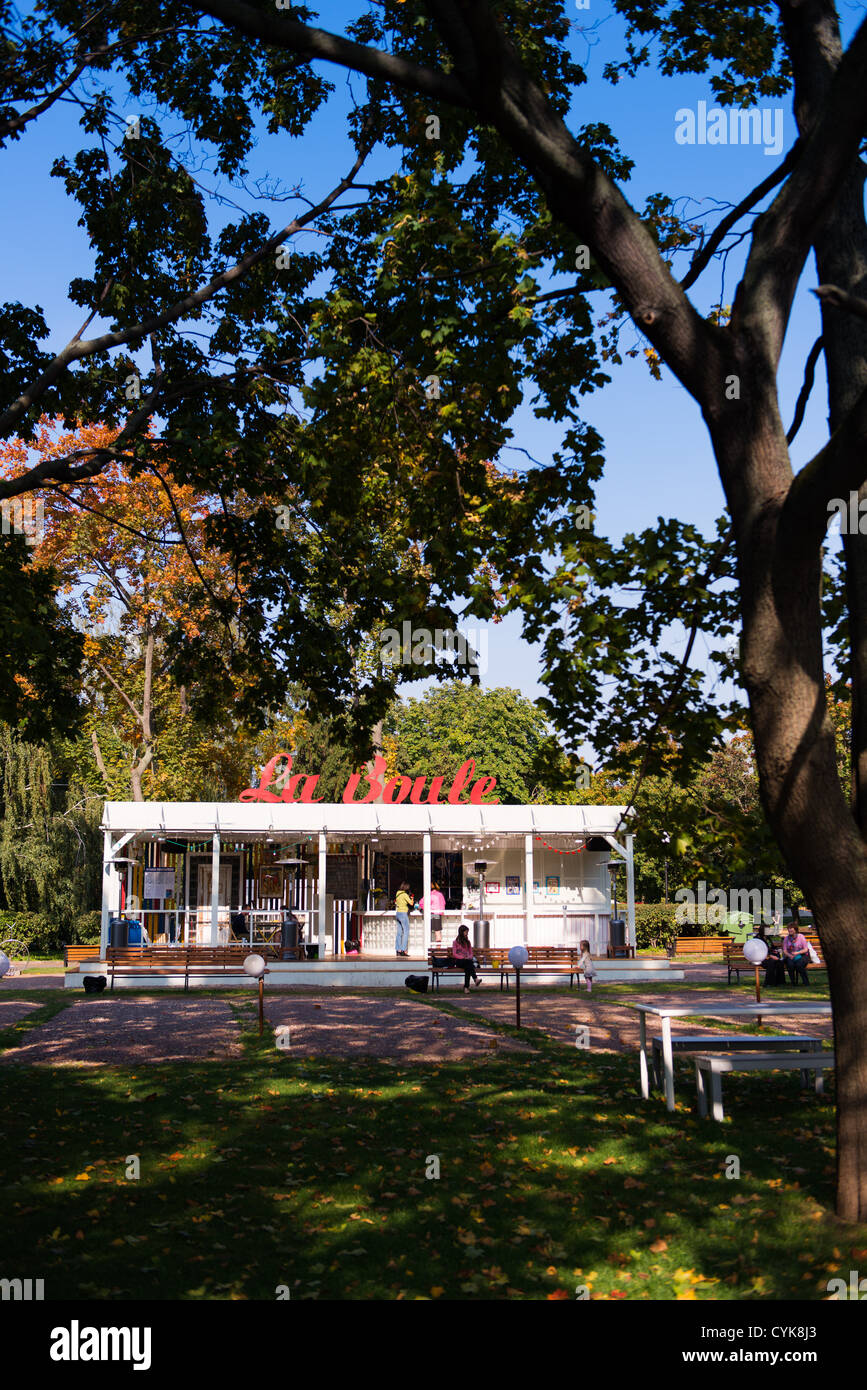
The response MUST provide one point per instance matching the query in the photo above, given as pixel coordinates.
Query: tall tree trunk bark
(801, 791)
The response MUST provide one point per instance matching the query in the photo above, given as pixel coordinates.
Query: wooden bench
(730, 1042)
(148, 961)
(699, 946)
(803, 1062)
(546, 960)
(74, 955)
(736, 961)
(488, 960)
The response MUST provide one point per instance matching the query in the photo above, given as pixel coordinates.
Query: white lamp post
(255, 965)
(518, 957)
(756, 951)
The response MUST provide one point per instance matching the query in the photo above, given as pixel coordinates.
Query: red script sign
(302, 787)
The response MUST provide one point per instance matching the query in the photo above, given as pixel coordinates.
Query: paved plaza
(118, 1029)
(114, 1030)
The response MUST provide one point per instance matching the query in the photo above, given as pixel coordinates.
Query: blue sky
(659, 458)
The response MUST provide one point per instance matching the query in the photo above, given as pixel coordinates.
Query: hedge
(655, 927)
(45, 936)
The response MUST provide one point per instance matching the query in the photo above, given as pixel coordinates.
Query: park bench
(546, 960)
(488, 961)
(714, 1066)
(699, 946)
(736, 961)
(74, 955)
(197, 961)
(731, 1042)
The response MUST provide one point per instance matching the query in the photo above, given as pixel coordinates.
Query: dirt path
(402, 1028)
(614, 1027)
(135, 1030)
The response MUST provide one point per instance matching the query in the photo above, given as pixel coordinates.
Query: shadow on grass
(273, 1170)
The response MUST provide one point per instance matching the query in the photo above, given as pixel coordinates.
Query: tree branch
(783, 235)
(18, 121)
(76, 350)
(839, 299)
(804, 395)
(836, 470)
(284, 33)
(705, 254)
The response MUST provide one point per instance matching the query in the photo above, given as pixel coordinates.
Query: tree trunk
(801, 792)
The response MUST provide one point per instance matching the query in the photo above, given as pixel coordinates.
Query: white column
(106, 892)
(528, 886)
(215, 890)
(323, 867)
(425, 860)
(630, 893)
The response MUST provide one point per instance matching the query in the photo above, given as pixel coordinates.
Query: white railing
(548, 927)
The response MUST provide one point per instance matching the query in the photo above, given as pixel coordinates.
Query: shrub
(39, 934)
(655, 927)
(44, 936)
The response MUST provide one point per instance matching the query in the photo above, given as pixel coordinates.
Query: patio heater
(481, 927)
(290, 928)
(617, 925)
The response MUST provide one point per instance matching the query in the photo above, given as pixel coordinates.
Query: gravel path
(30, 980)
(115, 1031)
(614, 1027)
(403, 1028)
(13, 1010)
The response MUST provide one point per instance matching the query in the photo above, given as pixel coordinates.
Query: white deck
(372, 973)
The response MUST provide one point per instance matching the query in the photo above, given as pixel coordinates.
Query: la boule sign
(301, 787)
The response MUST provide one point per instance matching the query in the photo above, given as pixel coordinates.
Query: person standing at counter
(403, 901)
(437, 908)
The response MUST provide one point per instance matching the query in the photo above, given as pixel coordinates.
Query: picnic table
(666, 1013)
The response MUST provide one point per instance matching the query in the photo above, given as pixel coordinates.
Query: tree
(500, 729)
(136, 574)
(50, 859)
(40, 651)
(511, 195)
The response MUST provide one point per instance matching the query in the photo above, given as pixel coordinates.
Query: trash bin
(618, 931)
(118, 932)
(482, 933)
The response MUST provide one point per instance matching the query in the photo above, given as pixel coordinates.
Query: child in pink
(585, 964)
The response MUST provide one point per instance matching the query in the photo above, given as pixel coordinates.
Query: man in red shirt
(795, 954)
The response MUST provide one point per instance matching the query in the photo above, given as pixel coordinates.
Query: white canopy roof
(252, 819)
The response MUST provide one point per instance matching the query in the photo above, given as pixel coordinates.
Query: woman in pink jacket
(462, 950)
(437, 908)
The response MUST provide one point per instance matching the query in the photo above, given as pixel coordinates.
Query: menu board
(159, 883)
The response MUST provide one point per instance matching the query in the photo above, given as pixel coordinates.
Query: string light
(555, 850)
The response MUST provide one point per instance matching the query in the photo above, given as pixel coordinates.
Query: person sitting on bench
(795, 954)
(462, 950)
(775, 973)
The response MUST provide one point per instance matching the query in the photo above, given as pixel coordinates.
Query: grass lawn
(278, 1170)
